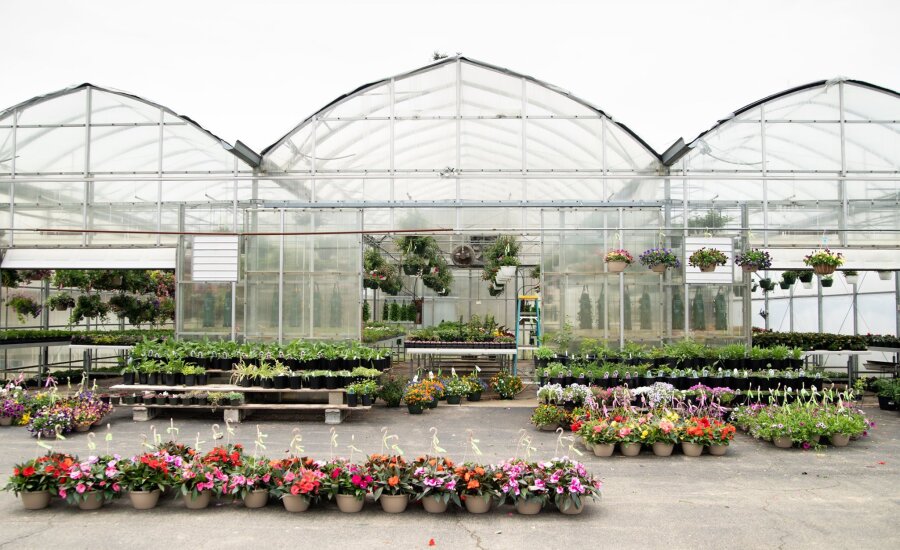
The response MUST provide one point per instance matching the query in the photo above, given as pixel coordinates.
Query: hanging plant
(501, 258)
(753, 260)
(11, 278)
(61, 302)
(824, 262)
(707, 259)
(71, 278)
(89, 307)
(659, 259)
(23, 306)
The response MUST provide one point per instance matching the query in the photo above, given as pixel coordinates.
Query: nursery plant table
(852, 360)
(335, 409)
(432, 355)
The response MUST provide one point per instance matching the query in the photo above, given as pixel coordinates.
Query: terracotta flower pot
(663, 449)
(81, 428)
(691, 449)
(783, 442)
(144, 500)
(630, 449)
(295, 503)
(567, 506)
(749, 268)
(93, 500)
(349, 504)
(840, 440)
(659, 268)
(256, 498)
(616, 267)
(604, 449)
(6, 420)
(35, 500)
(477, 504)
(529, 507)
(198, 502)
(434, 505)
(706, 268)
(394, 504)
(718, 450)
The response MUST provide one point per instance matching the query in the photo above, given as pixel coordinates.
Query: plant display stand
(528, 324)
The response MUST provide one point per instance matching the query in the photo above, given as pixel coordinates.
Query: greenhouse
(461, 155)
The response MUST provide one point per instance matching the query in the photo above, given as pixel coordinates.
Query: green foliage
(809, 340)
(365, 312)
(585, 316)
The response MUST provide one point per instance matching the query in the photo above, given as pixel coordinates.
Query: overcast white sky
(252, 70)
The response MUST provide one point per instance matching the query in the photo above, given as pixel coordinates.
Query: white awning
(89, 258)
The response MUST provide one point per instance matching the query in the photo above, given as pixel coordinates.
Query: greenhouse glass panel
(803, 146)
(62, 193)
(276, 190)
(428, 93)
(129, 192)
(206, 309)
(872, 147)
(563, 144)
(493, 189)
(488, 144)
(66, 108)
(877, 314)
(424, 144)
(29, 218)
(125, 149)
(623, 152)
(443, 189)
(879, 218)
(58, 150)
(864, 103)
(358, 145)
(735, 146)
(112, 108)
(187, 149)
(6, 149)
(373, 103)
(485, 92)
(821, 103)
(544, 101)
(114, 218)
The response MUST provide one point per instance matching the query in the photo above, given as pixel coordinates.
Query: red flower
(28, 471)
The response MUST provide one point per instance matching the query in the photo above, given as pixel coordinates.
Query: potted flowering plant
(506, 385)
(631, 434)
(11, 409)
(695, 434)
(663, 434)
(251, 481)
(92, 483)
(600, 436)
(476, 386)
(348, 483)
(569, 482)
(707, 259)
(841, 423)
(824, 261)
(659, 259)
(198, 480)
(416, 396)
(23, 305)
(753, 260)
(617, 260)
(722, 434)
(36, 479)
(296, 481)
(477, 487)
(455, 388)
(517, 482)
(548, 417)
(435, 483)
(47, 422)
(392, 481)
(147, 475)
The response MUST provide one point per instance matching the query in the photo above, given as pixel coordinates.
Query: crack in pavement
(6, 544)
(474, 536)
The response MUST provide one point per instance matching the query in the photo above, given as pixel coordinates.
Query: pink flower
(356, 480)
(624, 432)
(575, 486)
(62, 493)
(80, 488)
(116, 487)
(289, 477)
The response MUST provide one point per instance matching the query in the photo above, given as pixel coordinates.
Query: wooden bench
(335, 409)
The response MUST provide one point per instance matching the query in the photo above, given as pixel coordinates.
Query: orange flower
(479, 470)
(473, 484)
(393, 481)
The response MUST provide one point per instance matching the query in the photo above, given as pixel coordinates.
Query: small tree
(394, 311)
(365, 312)
(585, 315)
(601, 309)
(385, 312)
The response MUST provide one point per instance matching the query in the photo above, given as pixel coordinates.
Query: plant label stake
(90, 443)
(258, 444)
(217, 435)
(435, 447)
(197, 442)
(352, 447)
(108, 437)
(172, 430)
(295, 446)
(229, 431)
(334, 443)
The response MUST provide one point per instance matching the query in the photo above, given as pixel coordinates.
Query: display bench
(335, 409)
(431, 357)
(819, 358)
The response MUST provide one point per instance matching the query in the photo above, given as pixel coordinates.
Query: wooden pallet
(334, 414)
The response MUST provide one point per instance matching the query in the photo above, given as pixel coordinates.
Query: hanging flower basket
(827, 281)
(824, 262)
(617, 260)
(707, 259)
(506, 272)
(753, 260)
(852, 277)
(659, 259)
(885, 275)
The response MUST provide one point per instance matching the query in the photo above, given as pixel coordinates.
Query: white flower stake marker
(216, 433)
(353, 448)
(435, 443)
(90, 443)
(229, 432)
(386, 442)
(259, 443)
(198, 443)
(334, 443)
(472, 444)
(172, 430)
(296, 445)
(108, 438)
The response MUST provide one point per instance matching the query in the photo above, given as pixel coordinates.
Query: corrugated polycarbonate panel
(85, 258)
(215, 258)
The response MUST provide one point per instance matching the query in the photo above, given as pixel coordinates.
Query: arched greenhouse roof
(495, 119)
(127, 134)
(837, 125)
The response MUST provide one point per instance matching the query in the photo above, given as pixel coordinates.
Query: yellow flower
(644, 434)
(24, 419)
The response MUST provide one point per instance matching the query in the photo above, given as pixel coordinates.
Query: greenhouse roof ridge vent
(675, 151)
(87, 85)
(459, 59)
(246, 154)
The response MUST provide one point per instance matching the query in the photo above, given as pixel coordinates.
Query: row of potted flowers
(823, 262)
(49, 413)
(425, 394)
(228, 473)
(804, 423)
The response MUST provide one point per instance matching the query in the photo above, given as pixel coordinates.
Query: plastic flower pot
(547, 427)
(840, 440)
(434, 504)
(366, 401)
(604, 449)
(190, 380)
(394, 504)
(256, 498)
(707, 268)
(661, 448)
(433, 403)
(128, 378)
(630, 449)
(661, 268)
(144, 500)
(568, 507)
(93, 500)
(474, 396)
(616, 267)
(295, 503)
(352, 400)
(718, 450)
(414, 409)
(827, 282)
(35, 500)
(691, 449)
(6, 420)
(749, 268)
(529, 506)
(454, 399)
(81, 428)
(197, 502)
(349, 504)
(783, 442)
(476, 504)
(885, 275)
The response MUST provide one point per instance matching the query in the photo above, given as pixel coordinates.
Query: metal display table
(852, 360)
(432, 356)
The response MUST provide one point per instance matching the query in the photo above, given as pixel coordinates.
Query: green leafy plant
(707, 257)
